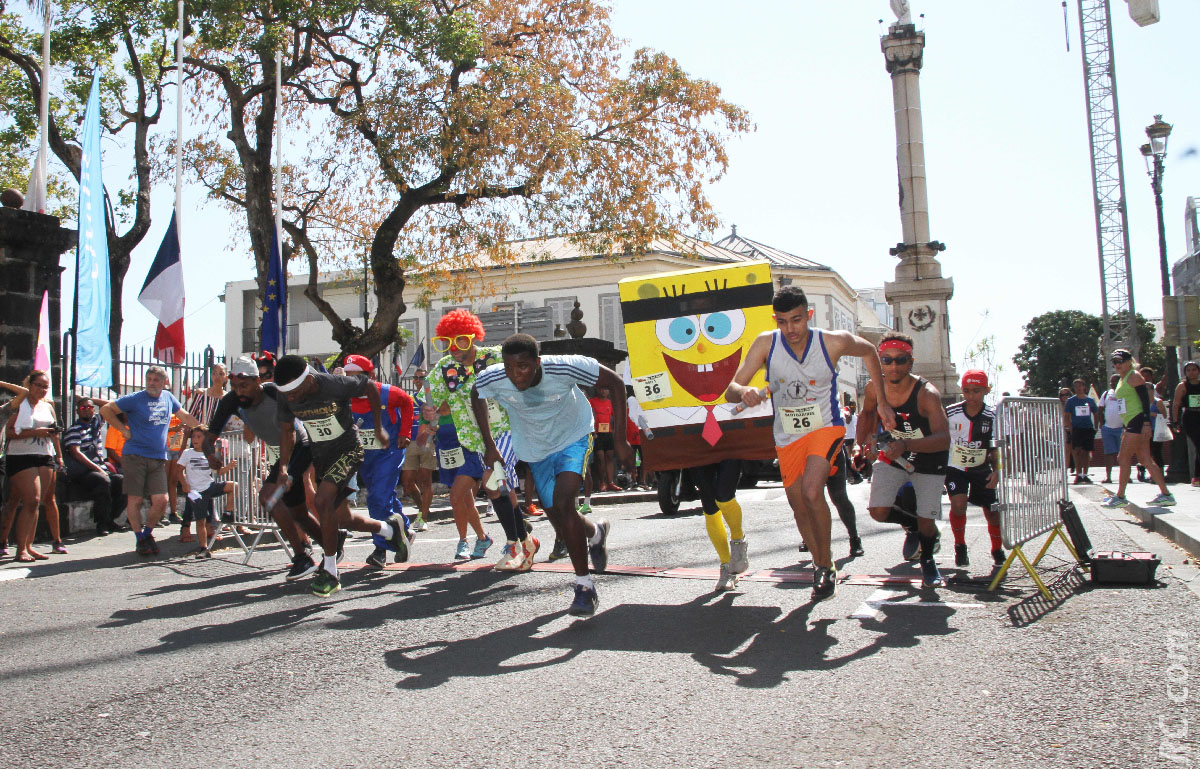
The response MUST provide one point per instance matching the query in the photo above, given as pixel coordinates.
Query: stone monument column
(920, 294)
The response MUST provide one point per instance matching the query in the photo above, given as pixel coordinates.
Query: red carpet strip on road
(565, 567)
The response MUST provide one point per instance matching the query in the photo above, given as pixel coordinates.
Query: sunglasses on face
(899, 360)
(460, 342)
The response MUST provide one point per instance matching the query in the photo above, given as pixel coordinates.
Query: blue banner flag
(93, 294)
(274, 318)
(418, 358)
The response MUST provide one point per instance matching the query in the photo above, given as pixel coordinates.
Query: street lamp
(1155, 152)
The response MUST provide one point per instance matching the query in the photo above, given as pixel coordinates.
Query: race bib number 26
(801, 420)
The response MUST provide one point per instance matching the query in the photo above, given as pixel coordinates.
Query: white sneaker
(511, 557)
(419, 524)
(728, 579)
(738, 558)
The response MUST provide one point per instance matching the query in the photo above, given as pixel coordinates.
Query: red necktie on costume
(712, 430)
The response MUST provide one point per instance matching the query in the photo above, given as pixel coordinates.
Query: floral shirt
(451, 383)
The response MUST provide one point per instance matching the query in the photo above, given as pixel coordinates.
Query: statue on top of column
(902, 11)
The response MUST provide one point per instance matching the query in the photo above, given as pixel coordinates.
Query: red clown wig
(460, 323)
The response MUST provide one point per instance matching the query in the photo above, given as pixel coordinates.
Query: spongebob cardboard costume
(687, 333)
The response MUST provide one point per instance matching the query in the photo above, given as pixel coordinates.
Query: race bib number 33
(451, 458)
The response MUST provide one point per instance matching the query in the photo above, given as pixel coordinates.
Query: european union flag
(274, 319)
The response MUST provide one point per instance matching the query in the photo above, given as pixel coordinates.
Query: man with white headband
(802, 365)
(916, 453)
(322, 403)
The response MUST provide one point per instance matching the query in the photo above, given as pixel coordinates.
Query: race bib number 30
(654, 387)
(964, 456)
(451, 458)
(324, 429)
(801, 420)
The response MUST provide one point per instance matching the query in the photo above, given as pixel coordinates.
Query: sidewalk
(1180, 524)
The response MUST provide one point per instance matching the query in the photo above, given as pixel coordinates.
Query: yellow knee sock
(716, 532)
(733, 516)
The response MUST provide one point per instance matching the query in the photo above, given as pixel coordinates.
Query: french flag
(162, 295)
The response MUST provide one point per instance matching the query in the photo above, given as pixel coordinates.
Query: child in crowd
(202, 488)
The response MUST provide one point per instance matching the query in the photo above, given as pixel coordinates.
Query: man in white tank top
(801, 366)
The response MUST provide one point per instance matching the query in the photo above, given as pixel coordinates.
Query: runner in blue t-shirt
(551, 425)
(1082, 416)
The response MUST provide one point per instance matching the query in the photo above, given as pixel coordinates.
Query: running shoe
(419, 524)
(1162, 500)
(511, 556)
(599, 552)
(58, 548)
(409, 536)
(151, 545)
(739, 561)
(481, 546)
(377, 559)
(930, 576)
(174, 518)
(585, 602)
(463, 551)
(728, 579)
(824, 583)
(912, 545)
(960, 555)
(325, 584)
(202, 553)
(584, 508)
(856, 548)
(1114, 501)
(302, 566)
(533, 510)
(399, 539)
(998, 556)
(559, 551)
(530, 546)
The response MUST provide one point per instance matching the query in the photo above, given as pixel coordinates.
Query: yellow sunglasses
(461, 342)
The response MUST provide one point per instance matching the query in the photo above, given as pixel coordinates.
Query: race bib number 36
(324, 429)
(801, 420)
(654, 387)
(451, 458)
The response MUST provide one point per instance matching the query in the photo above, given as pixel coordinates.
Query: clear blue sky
(1006, 151)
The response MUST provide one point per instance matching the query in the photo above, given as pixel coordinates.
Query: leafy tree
(441, 132)
(128, 42)
(1064, 345)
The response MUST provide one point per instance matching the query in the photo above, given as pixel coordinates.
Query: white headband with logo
(292, 385)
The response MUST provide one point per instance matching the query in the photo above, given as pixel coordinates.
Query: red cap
(976, 377)
(358, 363)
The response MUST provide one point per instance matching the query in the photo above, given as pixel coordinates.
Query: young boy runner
(552, 431)
(971, 474)
(1082, 417)
(201, 488)
(802, 364)
(382, 463)
(322, 403)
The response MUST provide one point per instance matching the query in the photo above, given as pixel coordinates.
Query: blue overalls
(381, 467)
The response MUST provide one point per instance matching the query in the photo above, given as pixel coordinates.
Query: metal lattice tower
(1108, 179)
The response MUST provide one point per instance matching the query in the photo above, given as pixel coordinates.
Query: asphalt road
(114, 661)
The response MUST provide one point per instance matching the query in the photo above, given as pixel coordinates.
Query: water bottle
(277, 494)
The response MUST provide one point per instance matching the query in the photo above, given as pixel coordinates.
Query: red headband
(896, 344)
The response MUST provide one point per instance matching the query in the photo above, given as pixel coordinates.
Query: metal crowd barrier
(251, 469)
(1031, 443)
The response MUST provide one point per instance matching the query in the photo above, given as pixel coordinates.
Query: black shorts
(339, 467)
(974, 485)
(603, 442)
(1083, 438)
(15, 463)
(297, 465)
(1136, 424)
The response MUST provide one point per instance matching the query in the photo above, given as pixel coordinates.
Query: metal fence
(248, 474)
(1033, 467)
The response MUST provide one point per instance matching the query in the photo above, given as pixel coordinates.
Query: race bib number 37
(366, 439)
(801, 420)
(324, 429)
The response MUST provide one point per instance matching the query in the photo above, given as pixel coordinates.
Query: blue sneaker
(912, 545)
(930, 576)
(481, 547)
(1163, 500)
(585, 602)
(463, 551)
(599, 552)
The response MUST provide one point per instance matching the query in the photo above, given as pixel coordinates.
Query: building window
(560, 310)
(612, 326)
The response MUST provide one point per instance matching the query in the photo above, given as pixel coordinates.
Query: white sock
(586, 581)
(330, 564)
(385, 530)
(588, 500)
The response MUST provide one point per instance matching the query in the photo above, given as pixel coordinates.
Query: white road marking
(870, 608)
(7, 574)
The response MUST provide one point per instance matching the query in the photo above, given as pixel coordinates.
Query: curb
(1180, 527)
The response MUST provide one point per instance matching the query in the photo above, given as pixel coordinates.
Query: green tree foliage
(1065, 345)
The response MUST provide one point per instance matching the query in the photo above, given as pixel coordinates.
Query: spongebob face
(688, 331)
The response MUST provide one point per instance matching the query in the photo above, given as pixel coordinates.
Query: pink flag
(41, 356)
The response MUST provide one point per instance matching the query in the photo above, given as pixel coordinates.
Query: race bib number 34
(801, 420)
(324, 429)
(654, 387)
(964, 456)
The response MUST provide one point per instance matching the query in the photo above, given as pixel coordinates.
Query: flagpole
(179, 123)
(282, 311)
(44, 112)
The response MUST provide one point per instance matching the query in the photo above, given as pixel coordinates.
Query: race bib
(495, 413)
(1083, 411)
(602, 427)
(324, 429)
(908, 435)
(1193, 401)
(654, 387)
(964, 456)
(366, 439)
(1121, 406)
(451, 458)
(801, 420)
(272, 453)
(176, 442)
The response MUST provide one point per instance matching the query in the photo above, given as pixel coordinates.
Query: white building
(541, 288)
